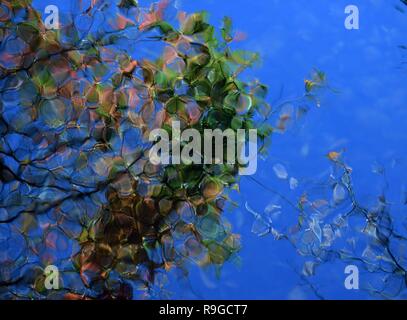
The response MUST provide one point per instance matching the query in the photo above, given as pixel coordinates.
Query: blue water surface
(365, 117)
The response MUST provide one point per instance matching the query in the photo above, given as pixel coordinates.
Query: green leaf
(175, 104)
(194, 23)
(29, 32)
(227, 29)
(101, 112)
(163, 26)
(128, 4)
(236, 123)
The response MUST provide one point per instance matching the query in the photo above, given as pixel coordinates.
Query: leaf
(319, 76)
(128, 4)
(309, 268)
(309, 85)
(236, 123)
(29, 32)
(101, 112)
(163, 26)
(333, 155)
(315, 228)
(175, 104)
(293, 183)
(339, 193)
(238, 101)
(226, 30)
(194, 23)
(280, 171)
(244, 57)
(211, 188)
(260, 227)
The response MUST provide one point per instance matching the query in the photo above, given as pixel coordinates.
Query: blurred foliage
(76, 109)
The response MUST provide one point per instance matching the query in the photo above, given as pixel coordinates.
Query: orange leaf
(333, 155)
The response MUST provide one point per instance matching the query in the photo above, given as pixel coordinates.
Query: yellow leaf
(333, 155)
(308, 85)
